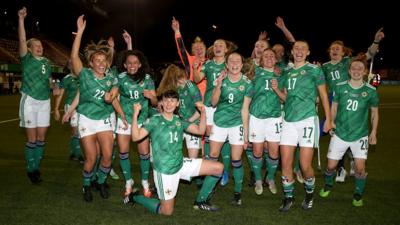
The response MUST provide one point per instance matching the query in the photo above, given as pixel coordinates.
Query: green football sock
(226, 156)
(29, 156)
(360, 184)
(238, 175)
(87, 176)
(152, 204)
(38, 153)
(102, 174)
(249, 156)
(288, 188)
(309, 185)
(328, 177)
(208, 185)
(125, 164)
(145, 166)
(257, 164)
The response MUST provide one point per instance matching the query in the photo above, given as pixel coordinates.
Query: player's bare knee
(166, 211)
(219, 167)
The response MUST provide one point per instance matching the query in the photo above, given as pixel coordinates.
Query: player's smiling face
(199, 50)
(170, 104)
(259, 47)
(300, 51)
(357, 70)
(36, 48)
(99, 63)
(132, 64)
(234, 64)
(268, 59)
(220, 48)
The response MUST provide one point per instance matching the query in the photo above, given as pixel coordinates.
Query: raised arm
(263, 36)
(180, 45)
(76, 63)
(23, 48)
(137, 133)
(281, 25)
(128, 40)
(373, 49)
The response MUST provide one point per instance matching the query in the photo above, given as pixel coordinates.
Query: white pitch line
(389, 104)
(12, 120)
(6, 121)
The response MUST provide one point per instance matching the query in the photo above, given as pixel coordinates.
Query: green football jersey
(166, 142)
(188, 96)
(302, 88)
(36, 73)
(211, 71)
(265, 103)
(336, 73)
(352, 112)
(131, 92)
(92, 91)
(229, 107)
(70, 84)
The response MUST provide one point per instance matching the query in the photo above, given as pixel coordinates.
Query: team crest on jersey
(302, 72)
(178, 124)
(108, 83)
(141, 84)
(185, 93)
(241, 87)
(364, 94)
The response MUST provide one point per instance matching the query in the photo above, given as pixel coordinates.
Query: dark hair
(144, 68)
(170, 94)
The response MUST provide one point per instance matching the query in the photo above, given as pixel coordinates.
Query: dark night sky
(149, 22)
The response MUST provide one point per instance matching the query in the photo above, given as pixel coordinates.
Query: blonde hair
(230, 46)
(30, 41)
(171, 76)
(100, 48)
(346, 50)
(198, 40)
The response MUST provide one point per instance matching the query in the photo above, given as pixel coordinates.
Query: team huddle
(218, 102)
